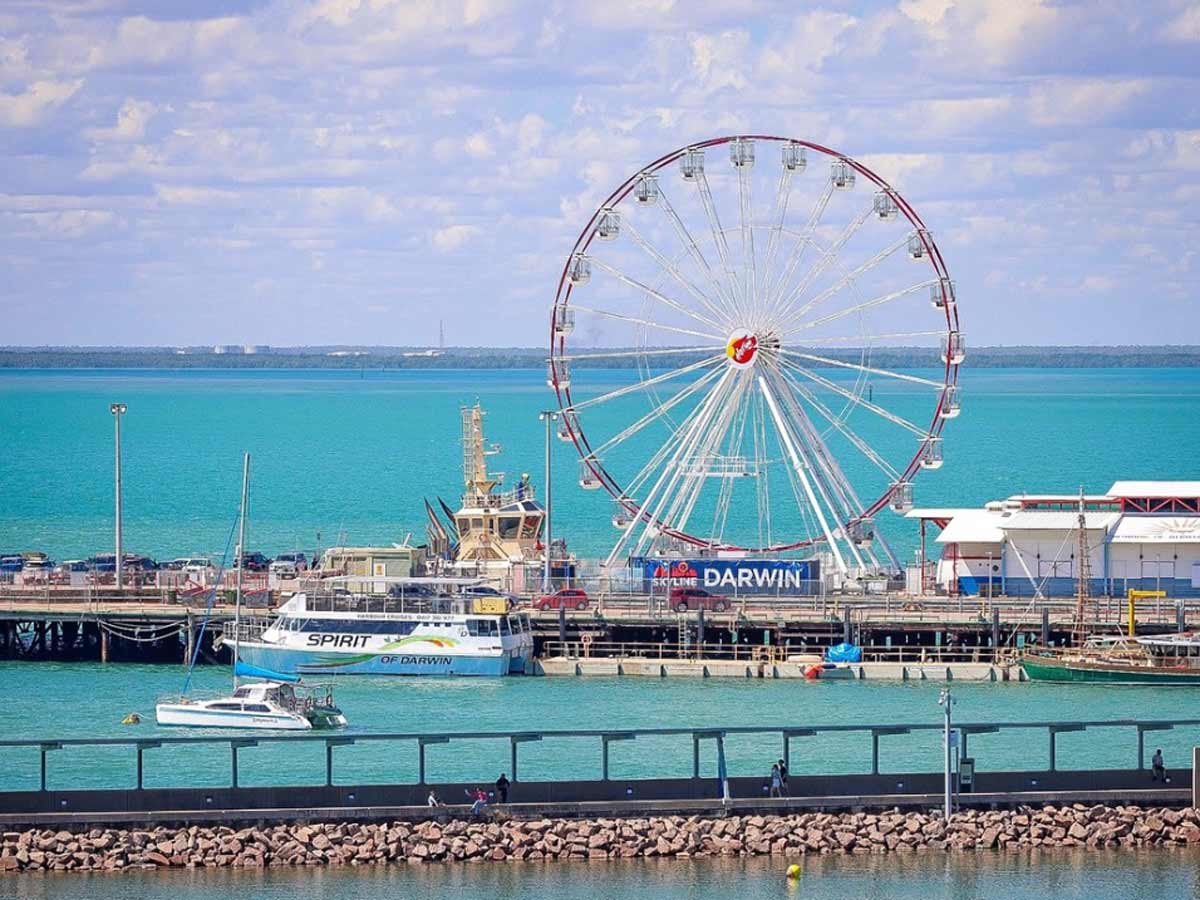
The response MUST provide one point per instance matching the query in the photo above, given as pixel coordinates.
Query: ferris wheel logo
(741, 349)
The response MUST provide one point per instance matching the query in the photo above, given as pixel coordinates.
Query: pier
(330, 789)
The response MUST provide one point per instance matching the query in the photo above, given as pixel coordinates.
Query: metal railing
(766, 653)
(785, 733)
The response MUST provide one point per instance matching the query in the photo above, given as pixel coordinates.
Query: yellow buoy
(132, 719)
(794, 871)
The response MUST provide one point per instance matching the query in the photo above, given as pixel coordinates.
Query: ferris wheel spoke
(665, 351)
(845, 430)
(686, 283)
(799, 467)
(745, 212)
(657, 413)
(693, 249)
(782, 197)
(718, 233)
(868, 370)
(843, 339)
(655, 295)
(861, 307)
(648, 323)
(643, 384)
(826, 260)
(847, 279)
(804, 239)
(856, 399)
(702, 413)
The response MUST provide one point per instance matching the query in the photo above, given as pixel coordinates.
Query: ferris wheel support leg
(798, 465)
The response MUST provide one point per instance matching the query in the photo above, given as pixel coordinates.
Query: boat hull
(195, 716)
(1076, 672)
(301, 662)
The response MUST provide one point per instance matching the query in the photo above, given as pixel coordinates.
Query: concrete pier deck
(727, 668)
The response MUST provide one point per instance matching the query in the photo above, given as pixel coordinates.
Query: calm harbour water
(349, 455)
(1097, 875)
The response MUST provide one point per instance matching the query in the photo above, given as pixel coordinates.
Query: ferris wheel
(758, 286)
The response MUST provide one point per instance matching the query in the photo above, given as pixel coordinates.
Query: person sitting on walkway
(1158, 771)
(502, 784)
(432, 801)
(478, 799)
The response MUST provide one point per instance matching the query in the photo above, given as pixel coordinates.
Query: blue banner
(733, 576)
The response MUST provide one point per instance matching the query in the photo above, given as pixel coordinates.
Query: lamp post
(118, 410)
(548, 416)
(946, 700)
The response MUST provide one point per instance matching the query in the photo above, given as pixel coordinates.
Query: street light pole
(946, 700)
(118, 410)
(549, 417)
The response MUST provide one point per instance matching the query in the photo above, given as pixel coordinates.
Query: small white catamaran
(273, 701)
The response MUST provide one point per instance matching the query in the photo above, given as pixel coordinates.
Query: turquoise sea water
(43, 700)
(1066, 875)
(348, 456)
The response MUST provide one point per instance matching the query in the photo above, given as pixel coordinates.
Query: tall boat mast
(1084, 575)
(241, 558)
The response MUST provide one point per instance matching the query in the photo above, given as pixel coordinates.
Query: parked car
(683, 599)
(255, 562)
(289, 565)
(12, 564)
(564, 598)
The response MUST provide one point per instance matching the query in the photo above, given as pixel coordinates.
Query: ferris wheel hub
(742, 348)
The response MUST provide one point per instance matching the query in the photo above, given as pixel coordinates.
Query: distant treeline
(531, 357)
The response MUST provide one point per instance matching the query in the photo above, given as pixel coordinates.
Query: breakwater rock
(499, 839)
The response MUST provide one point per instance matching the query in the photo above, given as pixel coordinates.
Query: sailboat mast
(241, 558)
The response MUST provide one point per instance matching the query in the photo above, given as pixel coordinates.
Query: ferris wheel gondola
(759, 422)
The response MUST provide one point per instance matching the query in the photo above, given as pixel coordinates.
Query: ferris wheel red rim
(558, 342)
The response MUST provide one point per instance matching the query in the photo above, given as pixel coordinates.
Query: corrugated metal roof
(1155, 489)
(973, 526)
(937, 513)
(1157, 530)
(1057, 520)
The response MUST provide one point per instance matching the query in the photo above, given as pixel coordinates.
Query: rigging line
(656, 295)
(702, 413)
(922, 433)
(782, 197)
(888, 373)
(656, 413)
(665, 351)
(641, 384)
(212, 596)
(847, 279)
(714, 224)
(866, 449)
(824, 262)
(675, 272)
(868, 304)
(646, 322)
(697, 255)
(803, 240)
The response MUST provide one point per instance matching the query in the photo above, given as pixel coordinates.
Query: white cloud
(1078, 101)
(1185, 27)
(478, 146)
(132, 119)
(453, 237)
(30, 107)
(71, 223)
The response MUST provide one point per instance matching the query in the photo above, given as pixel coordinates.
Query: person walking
(776, 783)
(502, 784)
(783, 778)
(1158, 771)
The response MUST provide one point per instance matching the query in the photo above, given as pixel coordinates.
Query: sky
(355, 171)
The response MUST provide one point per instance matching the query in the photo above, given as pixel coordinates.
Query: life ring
(586, 638)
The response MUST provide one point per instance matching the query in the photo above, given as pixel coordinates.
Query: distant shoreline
(355, 358)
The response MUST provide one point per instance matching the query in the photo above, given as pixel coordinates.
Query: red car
(564, 598)
(684, 598)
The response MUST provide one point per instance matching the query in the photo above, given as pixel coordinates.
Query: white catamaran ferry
(356, 625)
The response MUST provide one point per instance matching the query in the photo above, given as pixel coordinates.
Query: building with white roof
(1141, 535)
